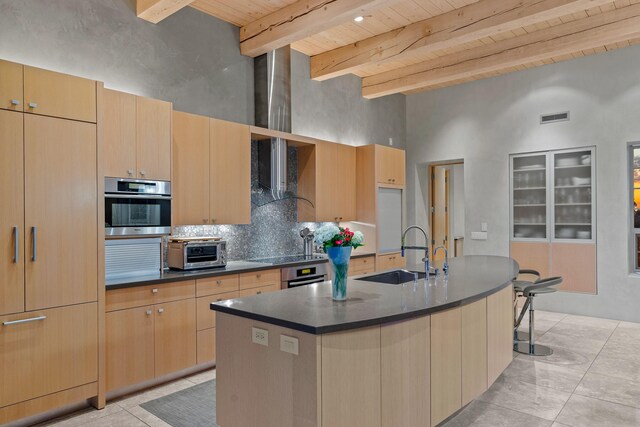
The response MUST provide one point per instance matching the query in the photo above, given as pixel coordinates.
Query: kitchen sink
(395, 277)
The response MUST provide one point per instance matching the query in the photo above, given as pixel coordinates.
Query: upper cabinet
(230, 172)
(211, 171)
(59, 95)
(11, 85)
(327, 177)
(137, 135)
(390, 165)
(47, 93)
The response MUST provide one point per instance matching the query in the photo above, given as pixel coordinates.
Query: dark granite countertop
(232, 267)
(310, 308)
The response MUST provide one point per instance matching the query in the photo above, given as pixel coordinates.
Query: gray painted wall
(191, 59)
(336, 111)
(483, 122)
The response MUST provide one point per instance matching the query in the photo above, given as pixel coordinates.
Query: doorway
(446, 208)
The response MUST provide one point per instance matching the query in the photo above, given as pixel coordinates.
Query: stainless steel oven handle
(137, 196)
(294, 283)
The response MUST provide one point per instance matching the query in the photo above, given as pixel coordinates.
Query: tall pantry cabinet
(553, 215)
(49, 241)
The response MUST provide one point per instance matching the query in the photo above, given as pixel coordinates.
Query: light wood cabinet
(147, 341)
(11, 86)
(328, 178)
(175, 336)
(56, 350)
(60, 212)
(230, 173)
(153, 139)
(129, 347)
(212, 171)
(11, 212)
(389, 261)
(260, 279)
(137, 134)
(190, 162)
(446, 364)
(206, 346)
(499, 333)
(360, 266)
(59, 95)
(206, 318)
(119, 134)
(217, 285)
(390, 165)
(474, 350)
(259, 290)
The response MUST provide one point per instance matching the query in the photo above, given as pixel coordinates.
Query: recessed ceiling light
(359, 18)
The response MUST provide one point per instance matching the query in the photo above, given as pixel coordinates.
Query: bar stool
(518, 287)
(541, 286)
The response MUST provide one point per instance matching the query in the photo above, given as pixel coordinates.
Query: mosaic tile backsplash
(274, 228)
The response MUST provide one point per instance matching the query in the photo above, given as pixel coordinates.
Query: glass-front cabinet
(553, 196)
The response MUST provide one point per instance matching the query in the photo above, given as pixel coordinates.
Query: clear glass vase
(339, 259)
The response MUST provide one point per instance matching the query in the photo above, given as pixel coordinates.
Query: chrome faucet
(418, 248)
(445, 267)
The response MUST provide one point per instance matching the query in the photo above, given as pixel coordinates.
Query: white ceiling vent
(553, 118)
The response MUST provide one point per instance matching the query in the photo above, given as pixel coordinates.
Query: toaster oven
(194, 254)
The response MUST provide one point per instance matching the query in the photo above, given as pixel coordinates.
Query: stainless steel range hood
(272, 83)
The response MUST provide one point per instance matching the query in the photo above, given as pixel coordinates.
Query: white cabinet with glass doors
(553, 196)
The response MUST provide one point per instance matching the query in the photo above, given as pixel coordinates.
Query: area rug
(191, 407)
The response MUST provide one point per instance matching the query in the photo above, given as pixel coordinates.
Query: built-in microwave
(134, 207)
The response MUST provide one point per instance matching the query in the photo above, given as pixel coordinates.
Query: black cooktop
(288, 259)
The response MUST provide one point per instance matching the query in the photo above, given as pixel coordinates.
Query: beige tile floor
(592, 379)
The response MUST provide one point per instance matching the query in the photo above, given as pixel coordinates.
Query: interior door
(440, 209)
(11, 213)
(60, 212)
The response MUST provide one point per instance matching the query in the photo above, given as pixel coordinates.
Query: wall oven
(303, 275)
(134, 207)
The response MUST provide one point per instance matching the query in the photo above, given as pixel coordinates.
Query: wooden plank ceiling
(408, 46)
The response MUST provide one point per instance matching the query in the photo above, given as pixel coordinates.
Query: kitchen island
(409, 355)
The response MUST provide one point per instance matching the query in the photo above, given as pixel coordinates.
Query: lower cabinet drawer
(260, 290)
(365, 263)
(206, 318)
(53, 350)
(390, 261)
(206, 345)
(216, 285)
(259, 278)
(361, 272)
(138, 296)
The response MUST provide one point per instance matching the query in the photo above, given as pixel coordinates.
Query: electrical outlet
(289, 344)
(260, 336)
(483, 226)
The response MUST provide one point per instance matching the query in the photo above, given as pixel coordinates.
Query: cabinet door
(346, 187)
(175, 336)
(206, 346)
(446, 364)
(11, 86)
(328, 192)
(474, 350)
(190, 160)
(119, 134)
(11, 213)
(129, 347)
(230, 173)
(390, 165)
(59, 95)
(60, 212)
(55, 351)
(153, 139)
(576, 264)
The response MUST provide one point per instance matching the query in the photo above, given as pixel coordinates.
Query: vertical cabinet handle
(33, 105)
(34, 241)
(149, 312)
(15, 102)
(15, 244)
